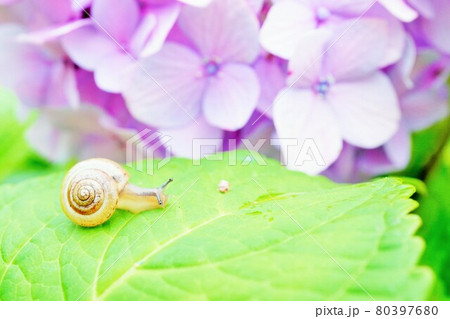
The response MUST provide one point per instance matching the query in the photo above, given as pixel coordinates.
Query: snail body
(92, 190)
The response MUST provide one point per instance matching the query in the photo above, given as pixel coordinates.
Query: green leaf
(14, 149)
(275, 234)
(435, 212)
(425, 145)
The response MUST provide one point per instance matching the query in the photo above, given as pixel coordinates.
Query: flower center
(322, 14)
(323, 85)
(211, 68)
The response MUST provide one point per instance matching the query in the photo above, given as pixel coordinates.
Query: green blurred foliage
(18, 161)
(435, 212)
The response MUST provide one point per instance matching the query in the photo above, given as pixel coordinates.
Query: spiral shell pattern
(86, 193)
(90, 191)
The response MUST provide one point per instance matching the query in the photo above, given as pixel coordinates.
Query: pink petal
(165, 17)
(400, 9)
(357, 49)
(367, 110)
(87, 46)
(301, 115)
(110, 71)
(398, 148)
(285, 23)
(208, 139)
(436, 29)
(231, 96)
(226, 30)
(165, 90)
(118, 18)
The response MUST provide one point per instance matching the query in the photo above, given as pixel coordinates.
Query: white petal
(367, 110)
(286, 22)
(302, 117)
(400, 10)
(110, 71)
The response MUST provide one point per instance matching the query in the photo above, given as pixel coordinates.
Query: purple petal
(425, 8)
(357, 49)
(87, 46)
(400, 9)
(165, 90)
(197, 3)
(272, 79)
(424, 108)
(301, 115)
(286, 22)
(344, 169)
(305, 66)
(165, 18)
(61, 86)
(396, 37)
(436, 29)
(231, 96)
(226, 30)
(367, 110)
(255, 5)
(374, 162)
(61, 134)
(49, 34)
(348, 7)
(398, 148)
(110, 71)
(400, 73)
(118, 18)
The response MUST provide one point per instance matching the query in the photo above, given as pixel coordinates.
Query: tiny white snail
(93, 189)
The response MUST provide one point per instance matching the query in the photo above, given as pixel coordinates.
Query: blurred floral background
(359, 77)
(366, 80)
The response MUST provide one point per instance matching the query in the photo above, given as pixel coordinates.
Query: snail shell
(92, 190)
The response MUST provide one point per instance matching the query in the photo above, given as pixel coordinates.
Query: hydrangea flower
(421, 107)
(289, 20)
(117, 33)
(343, 97)
(61, 134)
(195, 69)
(435, 26)
(40, 75)
(209, 73)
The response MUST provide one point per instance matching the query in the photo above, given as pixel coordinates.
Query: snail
(93, 189)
